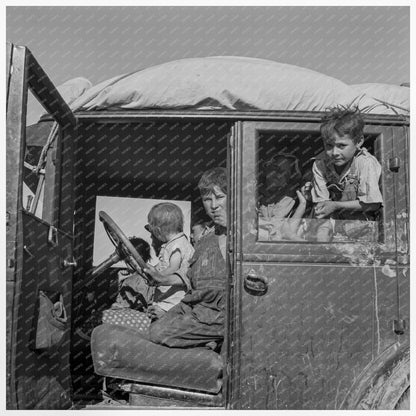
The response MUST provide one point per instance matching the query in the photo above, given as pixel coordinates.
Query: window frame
(293, 251)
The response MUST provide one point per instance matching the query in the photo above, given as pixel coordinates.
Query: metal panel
(307, 338)
(310, 336)
(35, 379)
(15, 145)
(43, 379)
(232, 335)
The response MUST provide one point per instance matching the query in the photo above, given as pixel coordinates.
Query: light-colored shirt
(178, 243)
(364, 171)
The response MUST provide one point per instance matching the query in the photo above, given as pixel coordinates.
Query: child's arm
(175, 261)
(170, 280)
(325, 208)
(167, 277)
(291, 225)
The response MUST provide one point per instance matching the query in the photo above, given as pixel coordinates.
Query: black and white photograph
(207, 206)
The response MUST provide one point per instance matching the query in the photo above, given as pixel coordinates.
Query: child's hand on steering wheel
(153, 274)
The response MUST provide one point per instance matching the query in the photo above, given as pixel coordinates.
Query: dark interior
(303, 145)
(142, 160)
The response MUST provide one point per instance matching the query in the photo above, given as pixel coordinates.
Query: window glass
(296, 178)
(37, 134)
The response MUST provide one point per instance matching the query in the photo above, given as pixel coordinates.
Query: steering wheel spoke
(124, 248)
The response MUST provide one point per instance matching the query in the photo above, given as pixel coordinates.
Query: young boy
(345, 184)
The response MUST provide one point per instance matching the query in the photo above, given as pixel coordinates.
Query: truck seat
(120, 352)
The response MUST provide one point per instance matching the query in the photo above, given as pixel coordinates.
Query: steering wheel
(124, 248)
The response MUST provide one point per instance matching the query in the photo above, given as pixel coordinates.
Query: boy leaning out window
(345, 184)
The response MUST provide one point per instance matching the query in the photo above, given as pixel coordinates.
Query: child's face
(215, 204)
(341, 149)
(155, 233)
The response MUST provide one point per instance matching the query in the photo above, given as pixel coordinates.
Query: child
(345, 176)
(136, 294)
(166, 225)
(282, 202)
(282, 179)
(200, 227)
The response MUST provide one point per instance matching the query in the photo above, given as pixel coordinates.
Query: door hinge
(53, 236)
(232, 137)
(394, 164)
(399, 326)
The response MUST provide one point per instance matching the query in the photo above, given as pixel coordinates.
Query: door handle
(68, 263)
(255, 285)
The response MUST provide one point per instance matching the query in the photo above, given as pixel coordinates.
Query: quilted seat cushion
(120, 352)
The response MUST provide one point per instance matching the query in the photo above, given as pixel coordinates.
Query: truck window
(285, 163)
(40, 145)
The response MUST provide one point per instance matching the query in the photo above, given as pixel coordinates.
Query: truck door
(309, 316)
(39, 245)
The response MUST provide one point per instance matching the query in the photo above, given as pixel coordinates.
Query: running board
(147, 395)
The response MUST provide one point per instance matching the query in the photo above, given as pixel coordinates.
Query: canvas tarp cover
(237, 83)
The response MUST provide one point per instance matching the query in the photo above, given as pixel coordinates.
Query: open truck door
(39, 246)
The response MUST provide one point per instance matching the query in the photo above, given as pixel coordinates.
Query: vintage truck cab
(310, 324)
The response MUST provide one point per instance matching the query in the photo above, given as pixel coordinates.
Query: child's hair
(342, 121)
(293, 160)
(142, 247)
(211, 178)
(167, 217)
